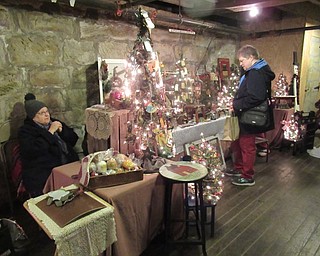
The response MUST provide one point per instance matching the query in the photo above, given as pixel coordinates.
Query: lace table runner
(90, 235)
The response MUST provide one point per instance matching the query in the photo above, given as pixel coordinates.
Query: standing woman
(254, 88)
(44, 144)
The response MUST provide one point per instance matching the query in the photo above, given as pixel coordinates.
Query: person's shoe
(263, 152)
(233, 173)
(243, 182)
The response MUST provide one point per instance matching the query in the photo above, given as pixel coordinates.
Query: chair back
(11, 169)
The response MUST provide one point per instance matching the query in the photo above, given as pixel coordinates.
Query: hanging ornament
(151, 108)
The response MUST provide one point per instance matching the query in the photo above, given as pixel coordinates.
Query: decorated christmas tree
(179, 87)
(183, 85)
(229, 88)
(282, 87)
(208, 153)
(292, 130)
(148, 129)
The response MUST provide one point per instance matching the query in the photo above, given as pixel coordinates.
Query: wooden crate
(119, 120)
(107, 128)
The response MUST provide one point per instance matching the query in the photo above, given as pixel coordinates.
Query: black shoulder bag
(256, 116)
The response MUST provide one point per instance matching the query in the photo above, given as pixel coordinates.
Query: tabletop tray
(102, 181)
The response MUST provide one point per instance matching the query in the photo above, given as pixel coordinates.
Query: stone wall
(55, 57)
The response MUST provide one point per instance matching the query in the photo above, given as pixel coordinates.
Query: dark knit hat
(29, 96)
(32, 107)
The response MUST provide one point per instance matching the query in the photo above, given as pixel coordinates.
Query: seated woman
(44, 144)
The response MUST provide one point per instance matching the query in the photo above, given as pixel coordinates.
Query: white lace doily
(98, 122)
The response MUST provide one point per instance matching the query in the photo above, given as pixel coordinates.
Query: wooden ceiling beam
(131, 3)
(307, 10)
(245, 5)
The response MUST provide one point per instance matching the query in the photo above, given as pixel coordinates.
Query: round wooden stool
(185, 172)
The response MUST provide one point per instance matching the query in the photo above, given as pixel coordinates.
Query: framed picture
(224, 67)
(206, 149)
(111, 72)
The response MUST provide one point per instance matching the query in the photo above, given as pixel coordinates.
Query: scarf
(62, 144)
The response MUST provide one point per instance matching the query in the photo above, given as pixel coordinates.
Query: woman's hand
(55, 126)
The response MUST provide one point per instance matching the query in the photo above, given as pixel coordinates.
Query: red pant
(244, 154)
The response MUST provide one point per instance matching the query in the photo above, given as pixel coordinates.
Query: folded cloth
(315, 152)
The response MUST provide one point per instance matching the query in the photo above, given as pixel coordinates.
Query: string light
(254, 11)
(209, 155)
(291, 129)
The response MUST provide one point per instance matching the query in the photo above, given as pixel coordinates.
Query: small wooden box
(103, 181)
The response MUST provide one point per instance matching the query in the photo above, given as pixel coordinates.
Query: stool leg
(187, 208)
(294, 148)
(213, 218)
(167, 215)
(197, 209)
(202, 220)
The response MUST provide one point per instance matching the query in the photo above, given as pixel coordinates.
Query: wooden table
(138, 208)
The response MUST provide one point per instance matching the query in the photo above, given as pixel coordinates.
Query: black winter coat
(40, 152)
(255, 88)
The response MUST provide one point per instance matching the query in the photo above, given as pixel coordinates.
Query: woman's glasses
(44, 112)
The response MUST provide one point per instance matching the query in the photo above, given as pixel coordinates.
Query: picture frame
(110, 69)
(224, 67)
(213, 141)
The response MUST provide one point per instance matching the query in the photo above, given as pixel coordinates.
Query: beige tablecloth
(62, 176)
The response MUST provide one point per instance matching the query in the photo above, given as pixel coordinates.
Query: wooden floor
(280, 215)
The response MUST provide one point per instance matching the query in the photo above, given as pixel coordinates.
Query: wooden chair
(4, 137)
(11, 171)
(261, 140)
(5, 240)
